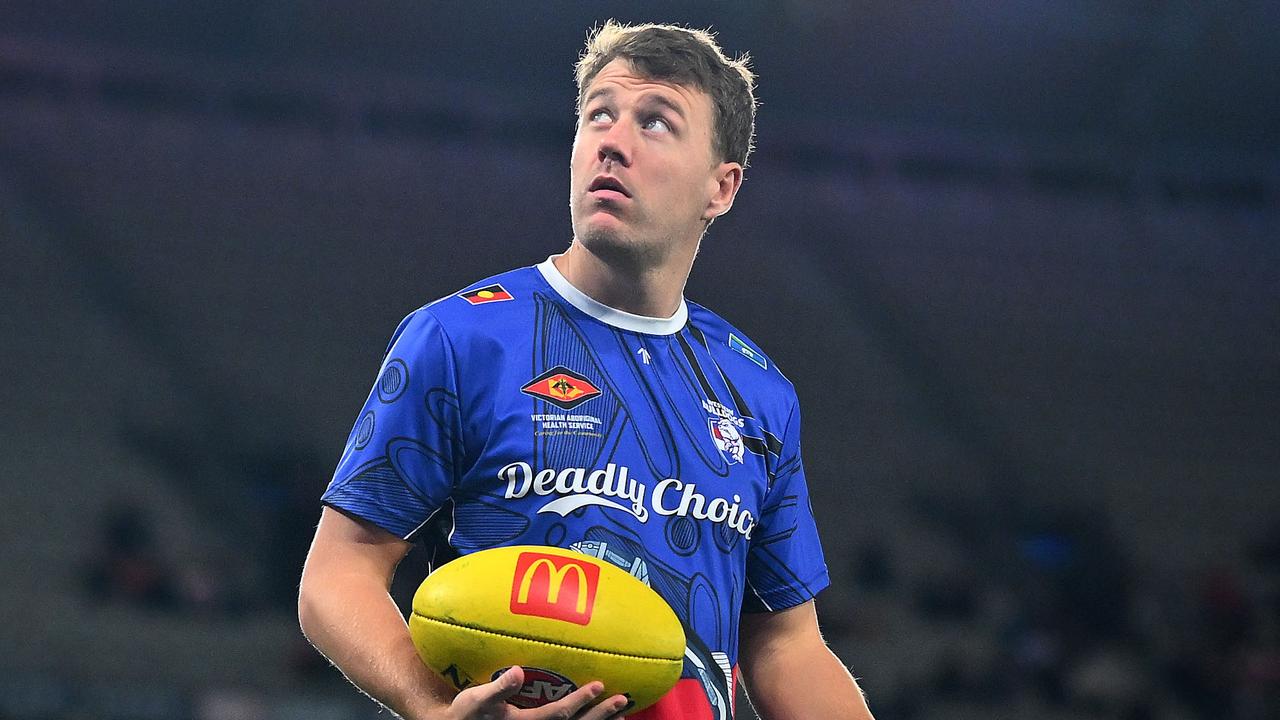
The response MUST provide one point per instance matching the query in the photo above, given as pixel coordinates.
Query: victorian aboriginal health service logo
(561, 387)
(553, 586)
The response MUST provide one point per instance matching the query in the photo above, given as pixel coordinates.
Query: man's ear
(725, 183)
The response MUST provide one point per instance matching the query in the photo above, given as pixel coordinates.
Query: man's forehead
(620, 73)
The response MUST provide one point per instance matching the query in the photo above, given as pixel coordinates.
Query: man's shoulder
(484, 307)
(486, 301)
(737, 353)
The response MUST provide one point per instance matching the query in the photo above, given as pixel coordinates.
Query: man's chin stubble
(615, 249)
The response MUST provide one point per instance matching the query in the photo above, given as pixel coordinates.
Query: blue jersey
(521, 411)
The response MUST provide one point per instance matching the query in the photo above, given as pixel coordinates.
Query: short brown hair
(685, 57)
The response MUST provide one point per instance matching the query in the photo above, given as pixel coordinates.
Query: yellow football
(566, 617)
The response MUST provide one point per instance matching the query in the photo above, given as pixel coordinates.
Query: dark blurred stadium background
(1022, 260)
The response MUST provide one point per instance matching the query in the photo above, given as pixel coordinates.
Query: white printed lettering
(577, 488)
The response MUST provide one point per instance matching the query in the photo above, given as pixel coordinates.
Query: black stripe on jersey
(738, 402)
(772, 442)
(754, 445)
(697, 333)
(759, 446)
(762, 447)
(697, 369)
(787, 468)
(739, 405)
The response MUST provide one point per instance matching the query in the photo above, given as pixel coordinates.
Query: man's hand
(345, 611)
(489, 702)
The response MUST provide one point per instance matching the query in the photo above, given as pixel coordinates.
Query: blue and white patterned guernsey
(521, 411)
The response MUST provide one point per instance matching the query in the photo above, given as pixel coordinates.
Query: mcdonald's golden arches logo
(553, 586)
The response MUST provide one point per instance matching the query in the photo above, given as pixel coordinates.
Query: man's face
(644, 177)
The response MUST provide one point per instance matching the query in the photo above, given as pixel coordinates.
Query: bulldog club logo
(561, 387)
(726, 430)
(727, 439)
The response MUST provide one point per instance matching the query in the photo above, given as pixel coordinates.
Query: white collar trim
(611, 316)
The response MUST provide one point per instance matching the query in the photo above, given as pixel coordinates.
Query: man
(494, 407)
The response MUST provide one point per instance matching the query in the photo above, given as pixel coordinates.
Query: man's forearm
(361, 631)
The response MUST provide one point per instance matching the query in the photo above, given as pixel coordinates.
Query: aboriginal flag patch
(488, 294)
(561, 387)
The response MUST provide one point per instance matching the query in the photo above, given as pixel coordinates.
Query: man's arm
(346, 611)
(790, 674)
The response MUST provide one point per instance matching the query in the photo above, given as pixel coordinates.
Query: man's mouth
(608, 187)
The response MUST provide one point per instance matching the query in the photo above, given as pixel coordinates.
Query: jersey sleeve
(785, 566)
(403, 456)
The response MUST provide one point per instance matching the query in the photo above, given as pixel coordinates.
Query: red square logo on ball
(553, 586)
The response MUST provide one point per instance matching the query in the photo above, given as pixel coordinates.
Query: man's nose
(616, 145)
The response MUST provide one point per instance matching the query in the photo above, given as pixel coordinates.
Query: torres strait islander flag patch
(747, 351)
(487, 294)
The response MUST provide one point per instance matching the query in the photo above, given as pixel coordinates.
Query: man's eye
(657, 124)
(598, 115)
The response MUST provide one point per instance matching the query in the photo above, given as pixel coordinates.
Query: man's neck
(650, 292)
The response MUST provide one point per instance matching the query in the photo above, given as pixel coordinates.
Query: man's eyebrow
(605, 93)
(665, 102)
(648, 98)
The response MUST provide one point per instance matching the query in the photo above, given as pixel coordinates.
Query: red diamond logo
(561, 387)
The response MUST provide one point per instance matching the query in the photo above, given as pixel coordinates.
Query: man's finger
(608, 709)
(568, 706)
(494, 694)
